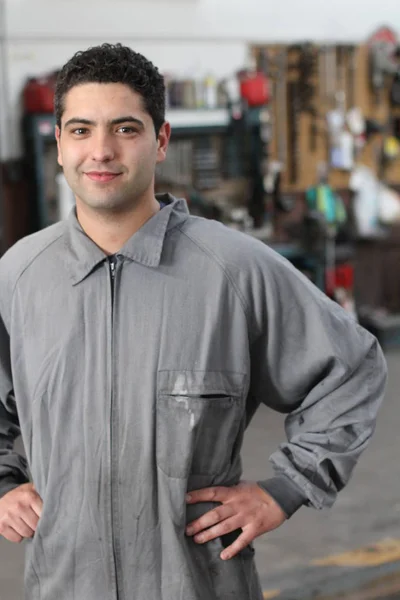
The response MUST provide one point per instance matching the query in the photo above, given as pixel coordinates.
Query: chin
(108, 204)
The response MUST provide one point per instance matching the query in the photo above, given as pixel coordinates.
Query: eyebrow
(118, 121)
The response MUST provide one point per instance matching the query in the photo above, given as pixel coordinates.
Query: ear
(163, 141)
(58, 136)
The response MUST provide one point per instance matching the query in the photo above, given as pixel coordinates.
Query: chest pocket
(199, 417)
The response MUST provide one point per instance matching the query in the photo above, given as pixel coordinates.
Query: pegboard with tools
(336, 104)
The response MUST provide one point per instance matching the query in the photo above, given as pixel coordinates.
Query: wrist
(285, 493)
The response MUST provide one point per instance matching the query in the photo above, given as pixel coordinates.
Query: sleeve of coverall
(13, 467)
(311, 360)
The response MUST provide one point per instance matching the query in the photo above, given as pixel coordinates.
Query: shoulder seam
(38, 253)
(216, 259)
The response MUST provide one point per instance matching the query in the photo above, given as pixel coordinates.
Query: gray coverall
(132, 385)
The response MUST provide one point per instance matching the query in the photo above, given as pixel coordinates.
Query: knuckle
(218, 492)
(7, 517)
(219, 513)
(250, 536)
(225, 527)
(31, 495)
(260, 524)
(195, 528)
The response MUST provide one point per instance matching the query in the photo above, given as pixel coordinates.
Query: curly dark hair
(113, 63)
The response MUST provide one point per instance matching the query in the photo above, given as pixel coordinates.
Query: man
(136, 343)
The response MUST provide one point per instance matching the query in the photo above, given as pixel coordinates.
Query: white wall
(180, 36)
(198, 19)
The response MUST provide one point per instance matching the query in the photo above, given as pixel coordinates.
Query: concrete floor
(367, 512)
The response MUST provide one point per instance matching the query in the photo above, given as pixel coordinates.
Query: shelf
(197, 119)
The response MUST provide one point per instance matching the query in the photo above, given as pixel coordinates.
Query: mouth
(102, 177)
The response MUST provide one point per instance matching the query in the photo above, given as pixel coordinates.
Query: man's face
(107, 146)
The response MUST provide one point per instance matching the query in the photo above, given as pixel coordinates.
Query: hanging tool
(341, 140)
(395, 90)
(351, 75)
(306, 69)
(321, 75)
(273, 177)
(328, 77)
(327, 211)
(382, 45)
(330, 72)
(341, 99)
(256, 168)
(354, 117)
(307, 72)
(281, 101)
(395, 87)
(294, 111)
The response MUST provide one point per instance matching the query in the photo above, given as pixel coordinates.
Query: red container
(341, 276)
(345, 276)
(254, 88)
(38, 95)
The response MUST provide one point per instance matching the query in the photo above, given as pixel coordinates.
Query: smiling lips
(102, 177)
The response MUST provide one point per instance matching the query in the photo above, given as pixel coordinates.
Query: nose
(102, 149)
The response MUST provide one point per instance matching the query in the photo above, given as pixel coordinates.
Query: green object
(322, 198)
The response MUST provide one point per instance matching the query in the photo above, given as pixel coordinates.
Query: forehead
(103, 101)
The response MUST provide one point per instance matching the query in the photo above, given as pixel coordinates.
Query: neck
(110, 230)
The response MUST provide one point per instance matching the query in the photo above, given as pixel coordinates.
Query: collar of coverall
(144, 247)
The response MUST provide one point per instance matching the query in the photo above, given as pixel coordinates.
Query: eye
(80, 131)
(127, 130)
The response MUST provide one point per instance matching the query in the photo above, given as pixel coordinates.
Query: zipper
(112, 260)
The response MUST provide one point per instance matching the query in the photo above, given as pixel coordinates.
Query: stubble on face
(107, 147)
(118, 195)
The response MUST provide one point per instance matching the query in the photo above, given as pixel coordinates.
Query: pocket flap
(196, 383)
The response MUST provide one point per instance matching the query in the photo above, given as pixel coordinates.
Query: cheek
(140, 153)
(72, 158)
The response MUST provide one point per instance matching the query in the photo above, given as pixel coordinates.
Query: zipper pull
(112, 261)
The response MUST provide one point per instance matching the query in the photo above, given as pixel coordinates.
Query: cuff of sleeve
(285, 493)
(7, 484)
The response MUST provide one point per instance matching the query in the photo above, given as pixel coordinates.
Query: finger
(212, 494)
(11, 535)
(238, 545)
(37, 504)
(30, 518)
(217, 531)
(21, 528)
(210, 518)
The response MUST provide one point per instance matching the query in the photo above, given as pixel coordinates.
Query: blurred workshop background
(286, 125)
